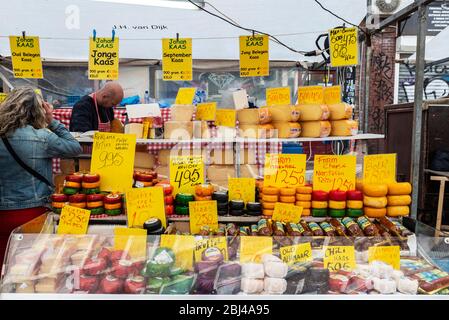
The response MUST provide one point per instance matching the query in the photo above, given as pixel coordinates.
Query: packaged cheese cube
(313, 112)
(315, 129)
(344, 128)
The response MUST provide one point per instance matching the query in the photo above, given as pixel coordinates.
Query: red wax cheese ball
(112, 198)
(94, 197)
(145, 176)
(168, 200)
(354, 195)
(77, 198)
(169, 210)
(59, 197)
(337, 195)
(91, 177)
(74, 178)
(319, 195)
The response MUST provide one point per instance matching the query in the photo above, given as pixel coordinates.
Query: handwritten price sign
(278, 96)
(113, 159)
(242, 189)
(344, 46)
(379, 168)
(103, 59)
(296, 254)
(332, 95)
(287, 212)
(225, 118)
(73, 220)
(203, 213)
(26, 57)
(253, 248)
(186, 172)
(334, 173)
(284, 170)
(177, 60)
(131, 240)
(254, 60)
(185, 96)
(206, 111)
(339, 257)
(311, 95)
(143, 204)
(182, 246)
(216, 242)
(390, 255)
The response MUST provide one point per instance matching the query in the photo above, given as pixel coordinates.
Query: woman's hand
(48, 112)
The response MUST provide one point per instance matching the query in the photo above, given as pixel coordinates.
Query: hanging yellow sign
(216, 242)
(284, 170)
(334, 173)
(185, 96)
(254, 57)
(26, 57)
(311, 95)
(296, 253)
(143, 204)
(131, 240)
(388, 254)
(206, 111)
(3, 97)
(339, 258)
(278, 96)
(185, 173)
(182, 246)
(332, 95)
(379, 168)
(344, 47)
(203, 214)
(242, 189)
(113, 159)
(253, 248)
(177, 59)
(103, 58)
(225, 118)
(73, 220)
(285, 212)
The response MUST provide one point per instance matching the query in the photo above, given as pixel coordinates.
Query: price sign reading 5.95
(285, 170)
(186, 172)
(73, 220)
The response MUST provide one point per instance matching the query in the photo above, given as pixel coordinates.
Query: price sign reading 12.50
(186, 172)
(334, 173)
(284, 170)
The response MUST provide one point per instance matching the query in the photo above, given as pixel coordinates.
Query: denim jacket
(36, 147)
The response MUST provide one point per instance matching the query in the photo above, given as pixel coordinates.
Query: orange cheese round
(58, 205)
(270, 191)
(303, 204)
(354, 204)
(375, 190)
(113, 206)
(71, 184)
(269, 198)
(95, 204)
(305, 212)
(81, 205)
(303, 197)
(399, 188)
(287, 199)
(269, 205)
(398, 211)
(399, 200)
(375, 212)
(304, 189)
(267, 212)
(287, 191)
(337, 204)
(375, 202)
(319, 204)
(91, 185)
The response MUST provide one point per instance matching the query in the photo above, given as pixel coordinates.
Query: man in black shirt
(94, 111)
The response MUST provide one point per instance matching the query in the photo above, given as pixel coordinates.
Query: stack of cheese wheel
(72, 184)
(255, 123)
(287, 195)
(319, 203)
(91, 183)
(313, 120)
(270, 195)
(168, 197)
(78, 200)
(354, 203)
(95, 204)
(203, 192)
(337, 203)
(304, 199)
(144, 179)
(340, 113)
(112, 204)
(399, 199)
(375, 200)
(285, 121)
(58, 201)
(182, 203)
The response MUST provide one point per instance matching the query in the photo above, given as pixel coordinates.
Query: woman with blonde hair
(30, 138)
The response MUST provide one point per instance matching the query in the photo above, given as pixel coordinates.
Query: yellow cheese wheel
(319, 204)
(269, 205)
(286, 130)
(287, 199)
(270, 190)
(343, 128)
(305, 212)
(267, 212)
(303, 197)
(340, 111)
(375, 202)
(58, 205)
(315, 129)
(375, 212)
(287, 191)
(354, 204)
(399, 200)
(399, 188)
(313, 112)
(304, 204)
(286, 113)
(269, 198)
(398, 211)
(304, 189)
(337, 204)
(375, 190)
(254, 116)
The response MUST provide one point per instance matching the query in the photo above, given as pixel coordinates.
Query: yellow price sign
(332, 95)
(3, 97)
(286, 212)
(284, 170)
(334, 173)
(296, 254)
(73, 220)
(204, 244)
(206, 111)
(388, 254)
(203, 214)
(185, 173)
(182, 246)
(253, 248)
(311, 95)
(131, 240)
(379, 168)
(339, 258)
(254, 57)
(242, 189)
(177, 59)
(278, 96)
(185, 96)
(225, 118)
(113, 159)
(26, 57)
(344, 47)
(103, 58)
(143, 204)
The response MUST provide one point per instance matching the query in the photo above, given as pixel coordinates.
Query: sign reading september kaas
(254, 58)
(103, 59)
(177, 59)
(343, 47)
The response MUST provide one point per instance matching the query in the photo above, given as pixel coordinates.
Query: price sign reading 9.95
(284, 170)
(185, 173)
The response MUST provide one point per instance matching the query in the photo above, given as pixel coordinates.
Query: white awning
(437, 48)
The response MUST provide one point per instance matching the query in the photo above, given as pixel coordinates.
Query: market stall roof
(65, 25)
(437, 48)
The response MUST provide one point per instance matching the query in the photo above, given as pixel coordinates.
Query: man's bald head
(110, 95)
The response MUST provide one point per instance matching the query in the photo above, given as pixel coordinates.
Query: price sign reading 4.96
(286, 212)
(334, 173)
(203, 214)
(26, 57)
(185, 173)
(379, 168)
(284, 170)
(73, 220)
(103, 59)
(242, 189)
(339, 257)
